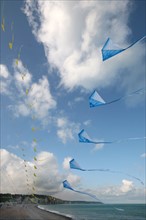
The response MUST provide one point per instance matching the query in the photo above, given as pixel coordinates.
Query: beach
(27, 212)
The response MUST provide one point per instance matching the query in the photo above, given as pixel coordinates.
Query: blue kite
(74, 165)
(111, 49)
(67, 185)
(83, 139)
(96, 100)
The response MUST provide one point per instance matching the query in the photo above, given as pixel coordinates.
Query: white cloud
(11, 167)
(98, 146)
(4, 73)
(13, 176)
(66, 129)
(79, 99)
(86, 123)
(21, 109)
(126, 186)
(126, 192)
(61, 122)
(74, 180)
(66, 163)
(13, 180)
(23, 77)
(41, 98)
(143, 155)
(71, 103)
(123, 193)
(65, 134)
(73, 34)
(31, 98)
(5, 80)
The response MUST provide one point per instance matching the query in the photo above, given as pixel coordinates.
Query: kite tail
(94, 197)
(128, 139)
(139, 91)
(88, 194)
(137, 138)
(134, 177)
(105, 170)
(141, 39)
(111, 171)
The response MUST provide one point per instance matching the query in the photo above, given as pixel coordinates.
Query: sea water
(99, 211)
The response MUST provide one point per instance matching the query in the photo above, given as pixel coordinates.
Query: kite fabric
(83, 139)
(96, 100)
(75, 165)
(111, 49)
(67, 185)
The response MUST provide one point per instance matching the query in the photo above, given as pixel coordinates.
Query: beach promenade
(27, 212)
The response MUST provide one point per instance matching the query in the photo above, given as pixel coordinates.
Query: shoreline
(56, 212)
(28, 212)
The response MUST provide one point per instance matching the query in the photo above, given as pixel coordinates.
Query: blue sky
(60, 65)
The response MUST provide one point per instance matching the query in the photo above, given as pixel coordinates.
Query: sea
(97, 211)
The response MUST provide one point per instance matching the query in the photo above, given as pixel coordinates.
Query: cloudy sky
(47, 76)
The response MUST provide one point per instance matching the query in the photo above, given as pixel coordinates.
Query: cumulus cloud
(4, 73)
(13, 180)
(66, 163)
(5, 79)
(61, 122)
(73, 34)
(48, 179)
(66, 129)
(126, 186)
(74, 180)
(31, 98)
(41, 98)
(123, 193)
(22, 75)
(12, 175)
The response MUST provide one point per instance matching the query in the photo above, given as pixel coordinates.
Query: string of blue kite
(96, 100)
(111, 49)
(74, 165)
